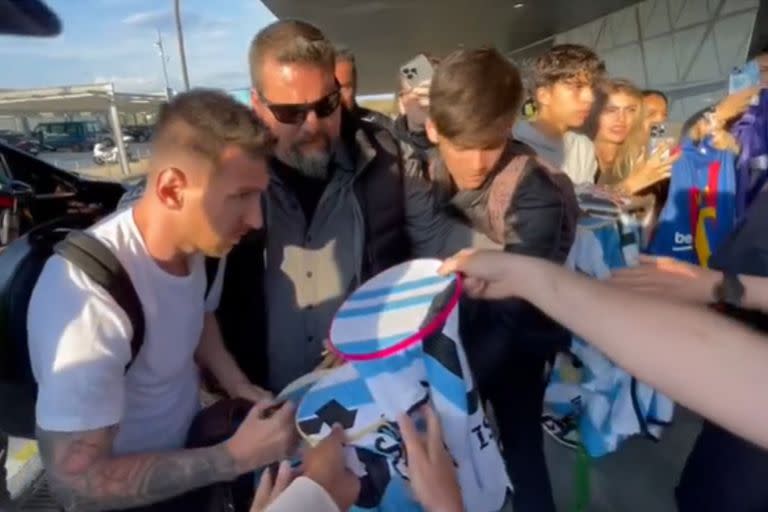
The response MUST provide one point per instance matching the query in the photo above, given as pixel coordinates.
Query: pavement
(83, 162)
(640, 477)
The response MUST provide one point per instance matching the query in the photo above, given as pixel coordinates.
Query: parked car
(73, 135)
(140, 133)
(20, 141)
(33, 192)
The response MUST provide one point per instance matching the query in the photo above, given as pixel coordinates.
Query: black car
(140, 133)
(20, 141)
(34, 192)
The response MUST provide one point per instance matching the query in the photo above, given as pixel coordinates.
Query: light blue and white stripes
(387, 309)
(609, 405)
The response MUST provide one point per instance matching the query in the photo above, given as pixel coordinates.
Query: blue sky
(113, 40)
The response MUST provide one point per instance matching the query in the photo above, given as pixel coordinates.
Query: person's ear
(257, 104)
(432, 133)
(544, 95)
(255, 99)
(170, 186)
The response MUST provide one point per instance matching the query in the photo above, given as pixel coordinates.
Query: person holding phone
(733, 105)
(617, 127)
(414, 78)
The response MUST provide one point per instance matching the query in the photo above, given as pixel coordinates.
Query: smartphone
(417, 70)
(658, 137)
(744, 77)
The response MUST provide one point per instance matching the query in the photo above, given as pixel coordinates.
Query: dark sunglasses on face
(297, 113)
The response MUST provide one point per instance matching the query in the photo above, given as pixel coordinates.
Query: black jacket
(375, 117)
(528, 209)
(418, 140)
(383, 190)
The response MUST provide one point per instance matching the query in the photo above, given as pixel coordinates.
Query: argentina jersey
(590, 400)
(399, 333)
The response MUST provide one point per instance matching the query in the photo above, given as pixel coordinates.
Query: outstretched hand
(430, 467)
(670, 278)
(485, 273)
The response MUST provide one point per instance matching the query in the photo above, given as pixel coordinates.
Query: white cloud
(216, 45)
(148, 18)
(130, 83)
(165, 19)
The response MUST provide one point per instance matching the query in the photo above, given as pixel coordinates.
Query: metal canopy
(76, 98)
(82, 98)
(385, 33)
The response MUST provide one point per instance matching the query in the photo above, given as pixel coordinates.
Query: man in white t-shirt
(112, 439)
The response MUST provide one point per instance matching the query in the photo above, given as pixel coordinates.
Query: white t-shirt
(579, 160)
(79, 342)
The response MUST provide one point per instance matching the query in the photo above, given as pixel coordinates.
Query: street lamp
(180, 36)
(164, 60)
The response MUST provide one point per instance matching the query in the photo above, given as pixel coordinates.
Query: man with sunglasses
(345, 201)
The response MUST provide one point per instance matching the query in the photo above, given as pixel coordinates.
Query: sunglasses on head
(291, 113)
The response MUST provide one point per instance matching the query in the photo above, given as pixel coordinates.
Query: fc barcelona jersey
(700, 211)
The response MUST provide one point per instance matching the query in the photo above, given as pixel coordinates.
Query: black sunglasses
(297, 113)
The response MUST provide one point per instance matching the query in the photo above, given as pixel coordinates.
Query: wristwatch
(729, 290)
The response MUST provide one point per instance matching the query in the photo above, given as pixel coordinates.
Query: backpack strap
(211, 270)
(503, 188)
(101, 266)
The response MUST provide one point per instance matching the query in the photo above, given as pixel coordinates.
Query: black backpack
(21, 263)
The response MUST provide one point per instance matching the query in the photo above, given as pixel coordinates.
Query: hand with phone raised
(657, 167)
(416, 77)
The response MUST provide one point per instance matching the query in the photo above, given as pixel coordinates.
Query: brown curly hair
(566, 62)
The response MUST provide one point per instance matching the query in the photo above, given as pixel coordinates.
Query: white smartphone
(659, 137)
(417, 70)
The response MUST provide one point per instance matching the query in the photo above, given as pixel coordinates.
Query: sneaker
(563, 430)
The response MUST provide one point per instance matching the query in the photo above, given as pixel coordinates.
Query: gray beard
(311, 166)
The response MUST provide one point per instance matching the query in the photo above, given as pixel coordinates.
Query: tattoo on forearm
(84, 476)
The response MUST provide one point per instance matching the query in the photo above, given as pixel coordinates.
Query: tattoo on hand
(83, 475)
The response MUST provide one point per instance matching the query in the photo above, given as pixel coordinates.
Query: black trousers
(195, 501)
(723, 473)
(517, 397)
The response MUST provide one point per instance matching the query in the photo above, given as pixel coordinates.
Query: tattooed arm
(83, 475)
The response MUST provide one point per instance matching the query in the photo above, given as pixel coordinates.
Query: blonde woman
(617, 127)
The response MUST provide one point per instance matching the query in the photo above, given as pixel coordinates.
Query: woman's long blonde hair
(632, 150)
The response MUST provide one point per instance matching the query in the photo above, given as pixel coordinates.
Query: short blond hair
(205, 121)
